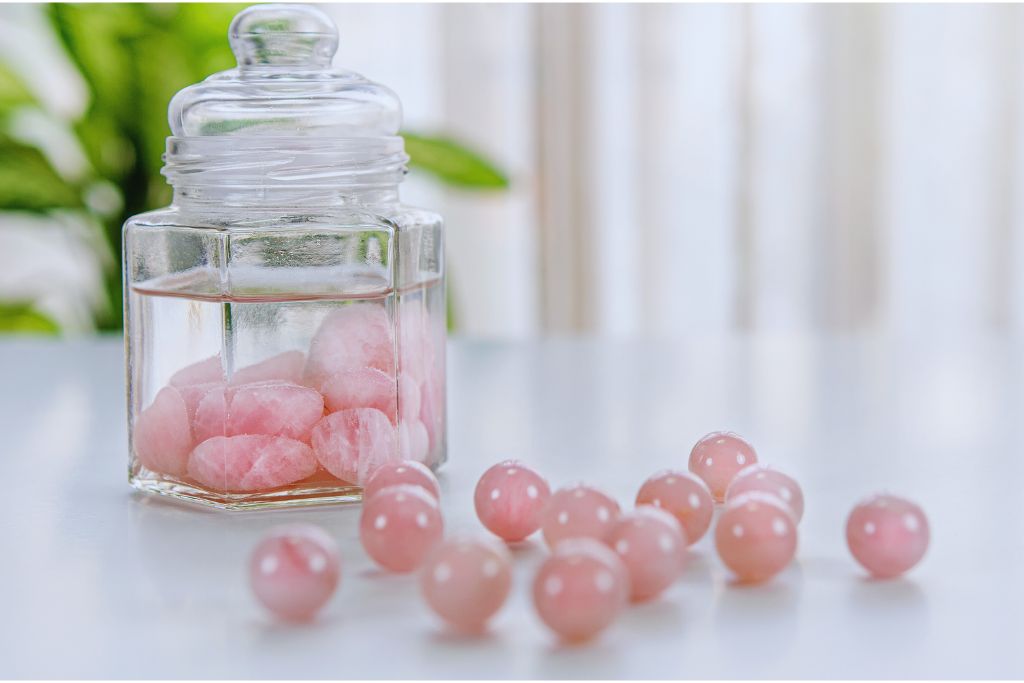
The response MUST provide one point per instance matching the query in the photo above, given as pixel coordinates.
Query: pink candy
(718, 457)
(510, 499)
(466, 581)
(685, 496)
(162, 436)
(284, 367)
(413, 440)
(353, 337)
(206, 371)
(652, 545)
(400, 526)
(580, 589)
(406, 472)
(768, 480)
(250, 462)
(294, 571)
(578, 511)
(756, 536)
(350, 444)
(887, 535)
(361, 388)
(271, 408)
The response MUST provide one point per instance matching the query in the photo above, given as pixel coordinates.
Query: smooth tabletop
(98, 581)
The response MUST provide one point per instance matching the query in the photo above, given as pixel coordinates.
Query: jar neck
(212, 198)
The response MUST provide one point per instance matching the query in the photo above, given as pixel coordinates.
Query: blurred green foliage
(133, 59)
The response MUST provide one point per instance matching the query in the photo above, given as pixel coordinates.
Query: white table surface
(100, 582)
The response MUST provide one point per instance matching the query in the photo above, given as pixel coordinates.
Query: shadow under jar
(285, 316)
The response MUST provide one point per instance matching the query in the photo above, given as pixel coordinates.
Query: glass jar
(285, 316)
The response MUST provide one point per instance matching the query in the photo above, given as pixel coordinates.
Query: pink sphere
(766, 479)
(718, 457)
(756, 536)
(578, 511)
(294, 570)
(402, 472)
(510, 499)
(466, 581)
(685, 496)
(580, 589)
(652, 545)
(888, 535)
(400, 526)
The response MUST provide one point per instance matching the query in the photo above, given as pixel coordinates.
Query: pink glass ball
(466, 581)
(756, 536)
(652, 545)
(294, 570)
(580, 588)
(400, 526)
(718, 457)
(510, 499)
(403, 472)
(887, 535)
(685, 496)
(578, 511)
(766, 479)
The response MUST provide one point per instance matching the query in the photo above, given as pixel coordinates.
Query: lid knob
(283, 35)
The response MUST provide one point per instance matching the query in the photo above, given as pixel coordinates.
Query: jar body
(275, 356)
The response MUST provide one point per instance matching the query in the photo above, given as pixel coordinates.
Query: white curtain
(726, 167)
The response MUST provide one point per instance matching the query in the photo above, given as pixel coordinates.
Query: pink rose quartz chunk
(510, 499)
(250, 462)
(578, 511)
(756, 536)
(718, 457)
(413, 441)
(400, 526)
(417, 348)
(466, 581)
(206, 371)
(361, 388)
(410, 398)
(685, 496)
(352, 337)
(768, 480)
(887, 535)
(580, 589)
(294, 571)
(404, 472)
(162, 437)
(351, 444)
(270, 408)
(195, 393)
(284, 367)
(652, 545)
(432, 413)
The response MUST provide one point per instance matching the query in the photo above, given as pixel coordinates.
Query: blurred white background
(680, 167)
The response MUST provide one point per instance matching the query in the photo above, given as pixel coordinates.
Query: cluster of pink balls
(601, 556)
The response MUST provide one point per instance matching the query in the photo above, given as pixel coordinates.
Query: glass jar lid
(284, 85)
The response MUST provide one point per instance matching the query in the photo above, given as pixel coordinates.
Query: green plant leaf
(28, 181)
(13, 92)
(453, 163)
(23, 318)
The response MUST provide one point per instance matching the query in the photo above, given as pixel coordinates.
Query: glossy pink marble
(887, 535)
(580, 588)
(718, 457)
(162, 437)
(510, 499)
(652, 545)
(270, 408)
(350, 444)
(361, 388)
(756, 536)
(767, 479)
(209, 370)
(250, 462)
(294, 571)
(413, 440)
(400, 526)
(576, 512)
(404, 472)
(284, 367)
(685, 496)
(466, 581)
(354, 336)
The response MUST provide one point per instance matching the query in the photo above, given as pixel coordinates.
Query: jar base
(293, 496)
